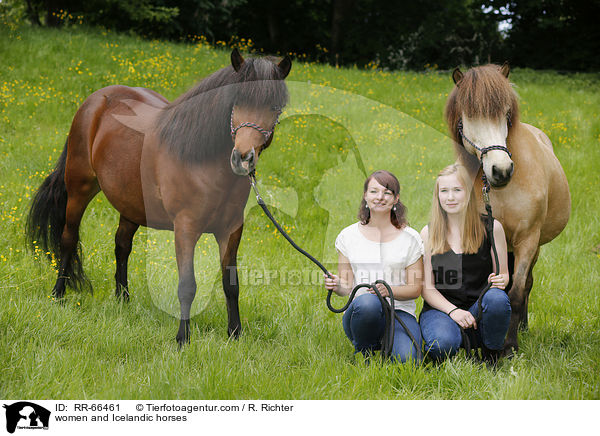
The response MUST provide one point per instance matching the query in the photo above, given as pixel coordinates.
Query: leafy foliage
(417, 35)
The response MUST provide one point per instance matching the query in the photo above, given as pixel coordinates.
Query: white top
(387, 261)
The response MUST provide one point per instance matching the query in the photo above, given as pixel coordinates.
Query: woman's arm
(500, 279)
(342, 283)
(412, 288)
(434, 298)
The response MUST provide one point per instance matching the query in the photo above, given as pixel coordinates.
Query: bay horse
(529, 190)
(174, 166)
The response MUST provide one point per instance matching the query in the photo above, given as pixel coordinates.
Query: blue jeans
(442, 334)
(364, 324)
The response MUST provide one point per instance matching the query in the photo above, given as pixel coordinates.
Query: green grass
(339, 122)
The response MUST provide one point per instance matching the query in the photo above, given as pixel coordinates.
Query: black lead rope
(390, 314)
(489, 229)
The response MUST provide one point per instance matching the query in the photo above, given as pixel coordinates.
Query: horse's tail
(46, 222)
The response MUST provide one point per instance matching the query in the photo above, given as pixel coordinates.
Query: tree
(560, 34)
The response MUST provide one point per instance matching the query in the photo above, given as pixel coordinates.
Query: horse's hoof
(234, 333)
(509, 351)
(183, 334)
(122, 296)
(58, 293)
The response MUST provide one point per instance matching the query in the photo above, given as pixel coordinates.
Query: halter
(483, 151)
(266, 133)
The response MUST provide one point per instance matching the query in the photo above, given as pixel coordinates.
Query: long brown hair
(473, 230)
(389, 181)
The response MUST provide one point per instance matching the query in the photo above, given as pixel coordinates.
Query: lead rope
(387, 341)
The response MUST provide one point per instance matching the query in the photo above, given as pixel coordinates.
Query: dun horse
(174, 166)
(529, 191)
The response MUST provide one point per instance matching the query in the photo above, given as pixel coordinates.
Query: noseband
(266, 133)
(483, 150)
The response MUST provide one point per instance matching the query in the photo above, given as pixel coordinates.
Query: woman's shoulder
(351, 229)
(412, 233)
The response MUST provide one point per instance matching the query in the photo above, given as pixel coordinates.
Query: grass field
(339, 124)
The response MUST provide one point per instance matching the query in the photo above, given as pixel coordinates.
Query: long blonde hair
(473, 230)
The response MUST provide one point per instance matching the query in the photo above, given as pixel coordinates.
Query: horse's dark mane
(483, 92)
(196, 126)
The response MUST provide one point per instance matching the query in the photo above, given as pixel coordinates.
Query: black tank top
(460, 278)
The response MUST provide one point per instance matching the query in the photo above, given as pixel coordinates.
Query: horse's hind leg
(79, 194)
(228, 247)
(123, 245)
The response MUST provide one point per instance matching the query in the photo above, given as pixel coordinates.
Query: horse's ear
(505, 69)
(457, 75)
(236, 59)
(285, 66)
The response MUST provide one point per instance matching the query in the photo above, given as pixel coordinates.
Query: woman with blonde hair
(458, 264)
(380, 246)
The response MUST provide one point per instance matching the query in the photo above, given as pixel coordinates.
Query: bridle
(266, 133)
(483, 151)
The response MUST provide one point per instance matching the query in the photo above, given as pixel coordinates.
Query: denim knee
(495, 300)
(404, 348)
(495, 318)
(445, 344)
(363, 322)
(441, 334)
(367, 305)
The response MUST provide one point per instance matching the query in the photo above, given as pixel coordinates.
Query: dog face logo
(26, 415)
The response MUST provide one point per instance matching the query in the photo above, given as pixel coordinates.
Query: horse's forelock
(483, 92)
(196, 126)
(262, 84)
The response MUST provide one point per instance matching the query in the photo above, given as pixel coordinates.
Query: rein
(388, 309)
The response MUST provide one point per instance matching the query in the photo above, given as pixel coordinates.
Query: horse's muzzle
(501, 177)
(242, 166)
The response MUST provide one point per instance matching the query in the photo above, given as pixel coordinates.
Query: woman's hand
(331, 283)
(498, 281)
(463, 318)
(382, 290)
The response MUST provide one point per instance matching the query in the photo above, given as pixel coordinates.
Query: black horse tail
(46, 222)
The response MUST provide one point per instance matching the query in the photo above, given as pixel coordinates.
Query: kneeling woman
(458, 266)
(380, 246)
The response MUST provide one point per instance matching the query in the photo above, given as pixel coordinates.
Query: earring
(394, 208)
(366, 206)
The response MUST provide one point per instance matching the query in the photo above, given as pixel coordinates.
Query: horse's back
(108, 132)
(541, 136)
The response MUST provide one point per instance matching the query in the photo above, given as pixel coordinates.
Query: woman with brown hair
(381, 246)
(458, 266)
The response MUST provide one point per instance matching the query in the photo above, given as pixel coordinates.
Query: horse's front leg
(525, 257)
(186, 237)
(228, 247)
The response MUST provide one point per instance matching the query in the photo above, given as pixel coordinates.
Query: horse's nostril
(495, 171)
